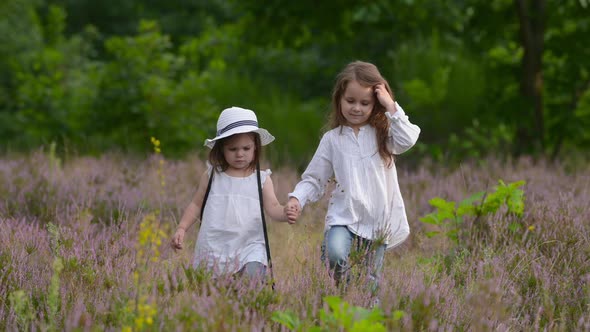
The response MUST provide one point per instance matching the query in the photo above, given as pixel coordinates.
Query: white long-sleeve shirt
(367, 198)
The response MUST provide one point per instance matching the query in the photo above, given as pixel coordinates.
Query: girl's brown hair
(217, 159)
(366, 74)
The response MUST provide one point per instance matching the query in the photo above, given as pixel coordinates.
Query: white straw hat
(237, 120)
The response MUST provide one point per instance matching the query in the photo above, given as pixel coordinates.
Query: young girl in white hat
(232, 236)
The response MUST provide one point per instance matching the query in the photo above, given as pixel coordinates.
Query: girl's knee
(337, 256)
(254, 270)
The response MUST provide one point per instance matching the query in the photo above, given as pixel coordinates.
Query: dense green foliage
(478, 77)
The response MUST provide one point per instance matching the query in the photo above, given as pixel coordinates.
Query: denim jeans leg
(336, 248)
(375, 266)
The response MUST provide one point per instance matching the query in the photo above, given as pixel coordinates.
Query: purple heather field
(84, 245)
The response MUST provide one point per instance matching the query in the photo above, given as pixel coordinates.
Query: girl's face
(238, 151)
(356, 104)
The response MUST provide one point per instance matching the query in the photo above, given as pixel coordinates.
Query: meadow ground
(84, 246)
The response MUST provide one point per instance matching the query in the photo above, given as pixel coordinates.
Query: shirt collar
(349, 129)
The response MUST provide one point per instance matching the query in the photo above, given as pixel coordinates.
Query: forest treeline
(479, 77)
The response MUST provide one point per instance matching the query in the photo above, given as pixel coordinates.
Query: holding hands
(292, 210)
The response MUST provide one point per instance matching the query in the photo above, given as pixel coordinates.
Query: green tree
(537, 71)
(46, 88)
(136, 89)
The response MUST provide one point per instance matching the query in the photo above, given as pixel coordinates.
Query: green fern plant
(339, 316)
(450, 215)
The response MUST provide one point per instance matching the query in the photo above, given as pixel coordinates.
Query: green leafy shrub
(338, 316)
(451, 215)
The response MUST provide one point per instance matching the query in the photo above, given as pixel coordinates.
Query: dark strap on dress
(207, 193)
(272, 279)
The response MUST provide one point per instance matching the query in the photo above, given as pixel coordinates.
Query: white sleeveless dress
(231, 233)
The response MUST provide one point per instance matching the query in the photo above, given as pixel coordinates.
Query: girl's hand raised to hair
(384, 98)
(177, 239)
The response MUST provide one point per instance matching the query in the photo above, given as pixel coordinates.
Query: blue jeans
(336, 249)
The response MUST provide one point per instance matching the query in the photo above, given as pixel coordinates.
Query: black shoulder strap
(207, 193)
(264, 225)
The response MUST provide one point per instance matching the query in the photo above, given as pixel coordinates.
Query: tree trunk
(531, 16)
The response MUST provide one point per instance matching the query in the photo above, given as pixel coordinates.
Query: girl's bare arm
(191, 213)
(271, 204)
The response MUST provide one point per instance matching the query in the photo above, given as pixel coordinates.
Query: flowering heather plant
(532, 277)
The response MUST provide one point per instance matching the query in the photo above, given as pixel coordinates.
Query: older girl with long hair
(366, 212)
